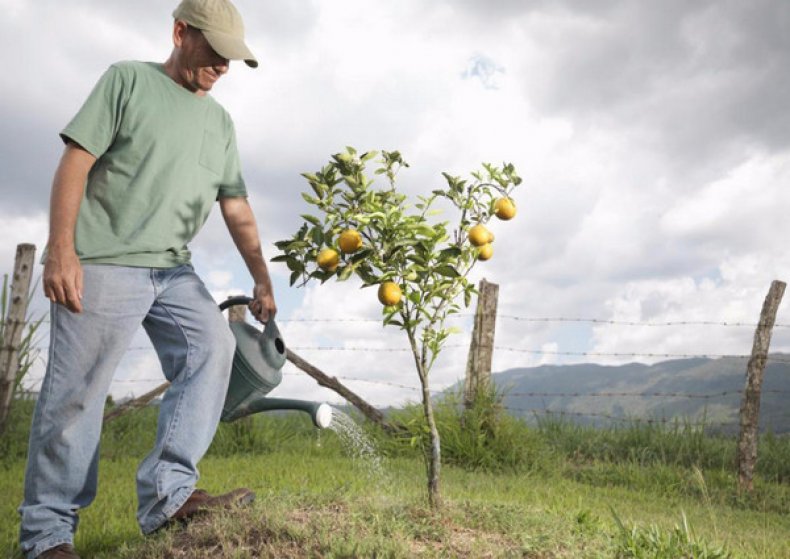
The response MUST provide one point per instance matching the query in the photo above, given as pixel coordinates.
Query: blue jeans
(195, 347)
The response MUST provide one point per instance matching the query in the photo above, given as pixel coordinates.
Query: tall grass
(483, 438)
(652, 542)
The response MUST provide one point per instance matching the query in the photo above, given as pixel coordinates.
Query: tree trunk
(433, 458)
(434, 465)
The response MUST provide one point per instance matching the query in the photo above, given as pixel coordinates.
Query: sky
(653, 139)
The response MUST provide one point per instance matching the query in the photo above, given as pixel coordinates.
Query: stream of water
(361, 448)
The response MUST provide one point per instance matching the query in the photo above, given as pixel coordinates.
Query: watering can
(257, 370)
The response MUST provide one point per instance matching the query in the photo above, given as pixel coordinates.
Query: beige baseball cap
(221, 24)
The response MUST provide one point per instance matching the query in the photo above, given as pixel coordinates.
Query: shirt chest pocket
(212, 152)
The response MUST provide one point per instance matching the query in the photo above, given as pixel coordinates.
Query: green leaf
(312, 219)
(317, 235)
(296, 245)
(345, 273)
(447, 271)
(294, 264)
(295, 276)
(319, 188)
(367, 275)
(309, 199)
(450, 252)
(322, 275)
(361, 255)
(279, 258)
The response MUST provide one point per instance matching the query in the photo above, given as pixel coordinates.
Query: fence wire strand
(544, 411)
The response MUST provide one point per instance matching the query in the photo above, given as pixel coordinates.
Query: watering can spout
(320, 413)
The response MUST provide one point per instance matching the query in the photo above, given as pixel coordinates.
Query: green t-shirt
(164, 156)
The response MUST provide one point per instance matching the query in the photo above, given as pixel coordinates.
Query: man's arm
(241, 223)
(62, 270)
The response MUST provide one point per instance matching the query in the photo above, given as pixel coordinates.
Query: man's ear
(180, 29)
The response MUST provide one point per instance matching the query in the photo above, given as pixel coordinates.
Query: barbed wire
(506, 394)
(637, 394)
(368, 349)
(649, 421)
(646, 323)
(546, 319)
(533, 351)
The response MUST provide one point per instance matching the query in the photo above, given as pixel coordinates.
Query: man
(144, 160)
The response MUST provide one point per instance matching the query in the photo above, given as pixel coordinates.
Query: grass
(555, 492)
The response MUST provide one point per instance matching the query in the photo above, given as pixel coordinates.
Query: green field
(554, 491)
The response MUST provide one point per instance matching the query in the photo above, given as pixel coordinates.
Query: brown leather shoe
(201, 502)
(62, 551)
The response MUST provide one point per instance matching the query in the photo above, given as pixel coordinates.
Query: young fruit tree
(419, 264)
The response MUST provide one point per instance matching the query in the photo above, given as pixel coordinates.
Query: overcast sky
(653, 139)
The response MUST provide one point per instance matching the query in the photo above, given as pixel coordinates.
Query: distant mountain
(683, 389)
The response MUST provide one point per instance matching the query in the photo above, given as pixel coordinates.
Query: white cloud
(652, 141)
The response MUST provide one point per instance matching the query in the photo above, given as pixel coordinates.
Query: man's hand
(262, 306)
(63, 278)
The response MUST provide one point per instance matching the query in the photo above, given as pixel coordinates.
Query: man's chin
(203, 88)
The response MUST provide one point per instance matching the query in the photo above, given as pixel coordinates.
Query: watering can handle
(233, 301)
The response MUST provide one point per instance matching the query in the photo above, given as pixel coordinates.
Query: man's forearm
(244, 231)
(62, 279)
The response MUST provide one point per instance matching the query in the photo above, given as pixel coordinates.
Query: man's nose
(222, 65)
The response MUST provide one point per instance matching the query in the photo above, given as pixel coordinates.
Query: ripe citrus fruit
(328, 259)
(389, 293)
(350, 241)
(505, 209)
(479, 235)
(486, 252)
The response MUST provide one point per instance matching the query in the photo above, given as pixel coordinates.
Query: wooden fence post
(750, 404)
(14, 326)
(136, 403)
(237, 313)
(481, 349)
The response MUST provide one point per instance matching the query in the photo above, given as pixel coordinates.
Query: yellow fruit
(486, 252)
(389, 293)
(505, 209)
(328, 259)
(479, 235)
(350, 241)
